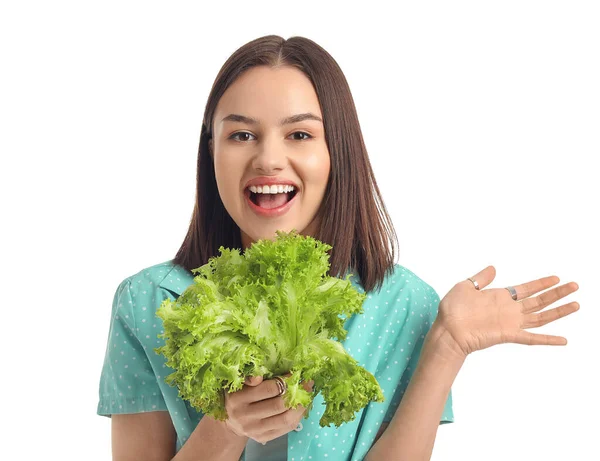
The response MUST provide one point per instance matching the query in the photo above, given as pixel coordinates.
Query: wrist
(443, 343)
(230, 433)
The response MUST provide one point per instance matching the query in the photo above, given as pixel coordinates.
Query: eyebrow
(286, 121)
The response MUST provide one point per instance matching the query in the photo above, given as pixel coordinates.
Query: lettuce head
(267, 312)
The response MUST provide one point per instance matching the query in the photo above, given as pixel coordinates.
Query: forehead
(269, 94)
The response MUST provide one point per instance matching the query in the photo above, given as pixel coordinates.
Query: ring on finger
(474, 283)
(281, 385)
(513, 292)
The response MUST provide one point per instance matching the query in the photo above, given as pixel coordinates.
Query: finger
(525, 290)
(278, 425)
(547, 298)
(243, 395)
(271, 435)
(275, 405)
(253, 380)
(483, 278)
(537, 320)
(265, 390)
(534, 339)
(267, 407)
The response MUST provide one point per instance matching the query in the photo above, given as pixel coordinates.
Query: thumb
(253, 380)
(484, 277)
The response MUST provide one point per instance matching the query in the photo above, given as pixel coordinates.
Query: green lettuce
(267, 312)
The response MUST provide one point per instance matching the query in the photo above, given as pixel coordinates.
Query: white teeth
(274, 189)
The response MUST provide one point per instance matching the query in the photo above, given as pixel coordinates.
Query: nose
(270, 156)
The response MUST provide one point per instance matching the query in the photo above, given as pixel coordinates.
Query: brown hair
(354, 219)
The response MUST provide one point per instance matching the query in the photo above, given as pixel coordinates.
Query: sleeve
(423, 310)
(128, 383)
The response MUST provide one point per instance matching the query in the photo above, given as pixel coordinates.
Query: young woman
(281, 149)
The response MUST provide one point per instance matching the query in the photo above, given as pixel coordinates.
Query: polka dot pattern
(133, 375)
(386, 339)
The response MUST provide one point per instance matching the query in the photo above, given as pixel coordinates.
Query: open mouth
(271, 205)
(271, 201)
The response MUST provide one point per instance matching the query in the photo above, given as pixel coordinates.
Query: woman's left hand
(477, 319)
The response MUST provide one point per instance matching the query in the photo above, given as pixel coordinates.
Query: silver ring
(281, 385)
(513, 292)
(474, 283)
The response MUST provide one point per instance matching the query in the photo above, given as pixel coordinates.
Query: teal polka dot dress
(386, 339)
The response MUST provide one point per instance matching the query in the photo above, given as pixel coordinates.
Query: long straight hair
(354, 220)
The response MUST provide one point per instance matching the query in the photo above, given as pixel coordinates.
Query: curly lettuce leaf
(270, 311)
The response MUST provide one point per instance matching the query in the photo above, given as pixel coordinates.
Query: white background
(482, 122)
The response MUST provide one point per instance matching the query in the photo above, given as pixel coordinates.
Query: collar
(177, 279)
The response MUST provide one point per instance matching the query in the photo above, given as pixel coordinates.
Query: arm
(472, 319)
(411, 432)
(212, 440)
(151, 436)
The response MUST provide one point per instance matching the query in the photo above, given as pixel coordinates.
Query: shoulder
(141, 293)
(404, 296)
(165, 275)
(400, 279)
(409, 280)
(152, 275)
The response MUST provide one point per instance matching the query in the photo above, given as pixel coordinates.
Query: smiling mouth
(270, 201)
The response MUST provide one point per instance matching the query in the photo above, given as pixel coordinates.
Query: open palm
(477, 319)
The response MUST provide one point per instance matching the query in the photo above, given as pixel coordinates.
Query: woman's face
(254, 153)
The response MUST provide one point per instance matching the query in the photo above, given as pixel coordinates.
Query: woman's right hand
(258, 410)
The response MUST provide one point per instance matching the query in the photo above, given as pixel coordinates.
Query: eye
(302, 132)
(235, 138)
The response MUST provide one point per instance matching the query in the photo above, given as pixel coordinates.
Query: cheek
(220, 162)
(226, 176)
(317, 170)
